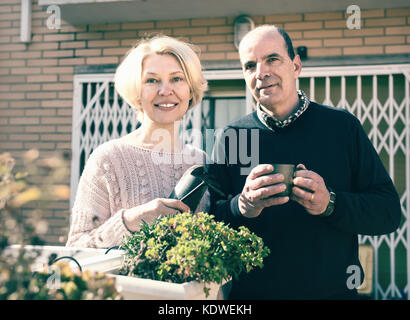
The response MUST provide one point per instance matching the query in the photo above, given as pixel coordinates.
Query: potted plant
(186, 256)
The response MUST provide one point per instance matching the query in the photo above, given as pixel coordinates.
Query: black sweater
(310, 254)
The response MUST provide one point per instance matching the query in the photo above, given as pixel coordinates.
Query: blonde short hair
(127, 77)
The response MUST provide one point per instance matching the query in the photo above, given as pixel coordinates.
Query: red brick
(372, 13)
(103, 43)
(120, 35)
(343, 42)
(221, 30)
(40, 95)
(89, 36)
(137, 25)
(322, 34)
(40, 145)
(56, 103)
(42, 62)
(189, 31)
(25, 87)
(398, 30)
(398, 49)
(381, 22)
(25, 70)
(40, 129)
(24, 104)
(324, 52)
(102, 60)
(104, 27)
(208, 22)
(25, 120)
(172, 24)
(73, 45)
(58, 37)
(363, 50)
(42, 78)
(87, 52)
(71, 62)
(40, 112)
(398, 12)
(276, 18)
(55, 137)
(58, 54)
(58, 70)
(26, 55)
(322, 16)
(56, 120)
(24, 137)
(303, 25)
(11, 145)
(384, 40)
(11, 96)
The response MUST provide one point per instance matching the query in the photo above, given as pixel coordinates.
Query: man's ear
(297, 63)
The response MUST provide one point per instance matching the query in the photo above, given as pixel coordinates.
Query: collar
(273, 123)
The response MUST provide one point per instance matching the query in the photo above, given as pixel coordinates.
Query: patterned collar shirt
(273, 123)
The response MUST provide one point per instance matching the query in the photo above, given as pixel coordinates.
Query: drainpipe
(25, 21)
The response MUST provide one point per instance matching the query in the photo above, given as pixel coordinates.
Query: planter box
(89, 258)
(133, 288)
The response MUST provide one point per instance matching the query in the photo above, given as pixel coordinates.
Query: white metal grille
(98, 116)
(377, 95)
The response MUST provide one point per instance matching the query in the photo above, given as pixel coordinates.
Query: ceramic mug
(288, 171)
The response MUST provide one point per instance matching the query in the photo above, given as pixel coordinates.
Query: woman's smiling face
(165, 92)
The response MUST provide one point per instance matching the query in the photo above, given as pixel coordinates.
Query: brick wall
(36, 79)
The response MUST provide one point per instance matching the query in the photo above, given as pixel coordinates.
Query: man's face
(269, 72)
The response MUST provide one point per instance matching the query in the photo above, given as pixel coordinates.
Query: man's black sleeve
(224, 203)
(373, 206)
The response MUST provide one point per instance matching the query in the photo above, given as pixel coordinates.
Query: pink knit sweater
(119, 176)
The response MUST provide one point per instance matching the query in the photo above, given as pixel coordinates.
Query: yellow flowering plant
(191, 247)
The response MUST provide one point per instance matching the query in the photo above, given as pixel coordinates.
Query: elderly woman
(128, 180)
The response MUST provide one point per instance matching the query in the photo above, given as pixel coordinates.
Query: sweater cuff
(127, 231)
(235, 206)
(115, 229)
(334, 217)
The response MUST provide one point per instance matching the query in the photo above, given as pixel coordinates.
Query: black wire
(68, 257)
(114, 247)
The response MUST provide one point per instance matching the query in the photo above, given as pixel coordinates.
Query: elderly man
(341, 188)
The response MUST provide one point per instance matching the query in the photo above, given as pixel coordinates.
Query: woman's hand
(150, 211)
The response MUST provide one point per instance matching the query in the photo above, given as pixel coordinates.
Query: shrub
(185, 247)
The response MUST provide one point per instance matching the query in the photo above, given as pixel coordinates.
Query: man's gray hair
(266, 28)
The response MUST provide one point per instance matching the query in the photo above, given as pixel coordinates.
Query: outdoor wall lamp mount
(242, 25)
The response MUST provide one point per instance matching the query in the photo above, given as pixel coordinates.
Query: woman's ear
(191, 98)
(137, 102)
(190, 103)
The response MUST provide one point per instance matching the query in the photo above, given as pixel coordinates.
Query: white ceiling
(79, 12)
